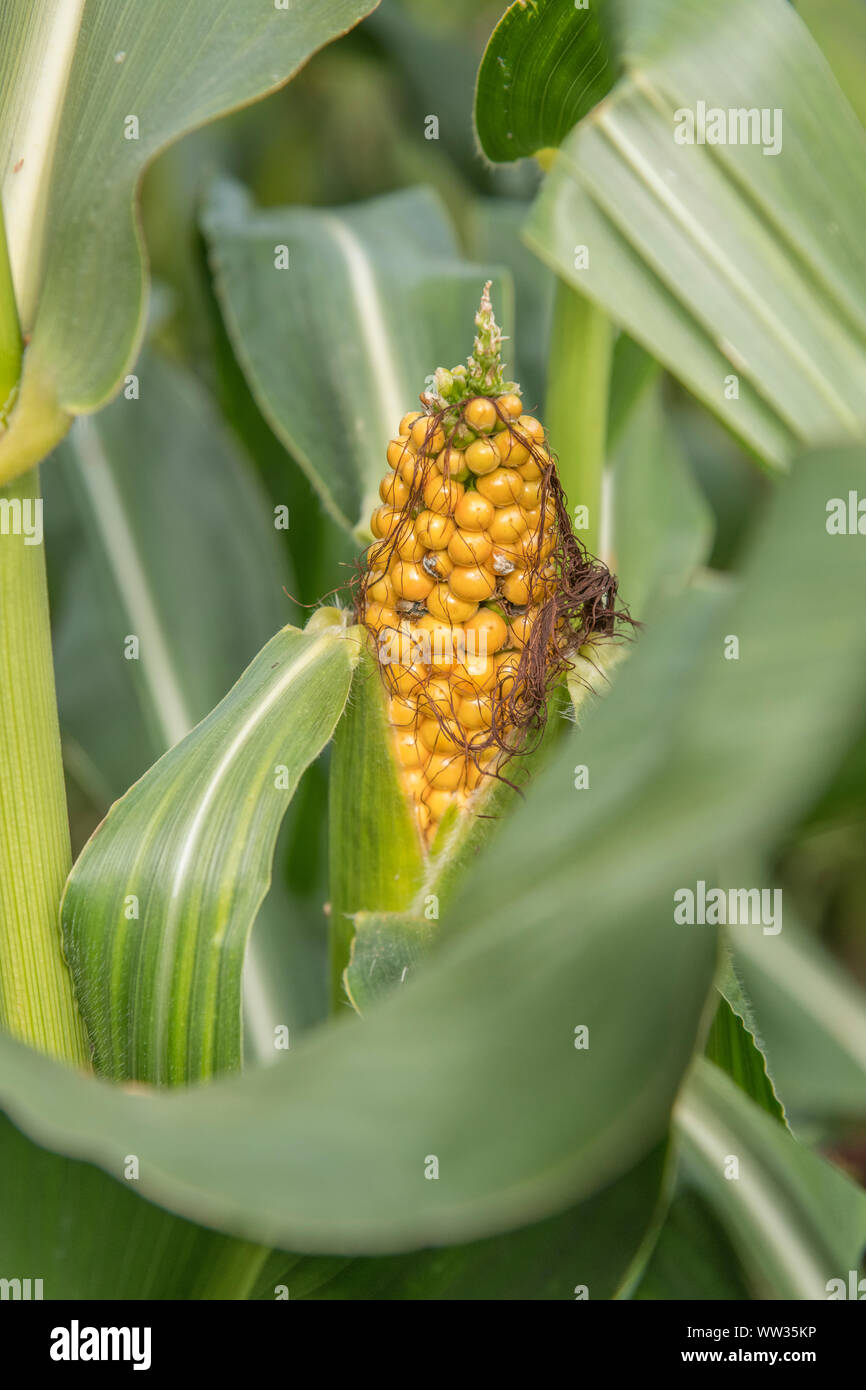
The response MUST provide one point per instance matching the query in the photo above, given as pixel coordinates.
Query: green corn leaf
(85, 1235)
(337, 346)
(158, 908)
(734, 1049)
(839, 28)
(713, 256)
(659, 529)
(148, 503)
(796, 1221)
(96, 1239)
(587, 1252)
(693, 1259)
(91, 91)
(813, 1021)
(552, 49)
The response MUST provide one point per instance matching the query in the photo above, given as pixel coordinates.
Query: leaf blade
(712, 256)
(85, 73)
(797, 1221)
(189, 849)
(357, 326)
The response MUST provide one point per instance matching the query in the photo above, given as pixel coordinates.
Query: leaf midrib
(168, 700)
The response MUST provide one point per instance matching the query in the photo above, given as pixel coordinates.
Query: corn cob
(475, 590)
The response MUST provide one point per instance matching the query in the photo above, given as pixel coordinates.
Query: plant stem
(36, 999)
(581, 353)
(10, 331)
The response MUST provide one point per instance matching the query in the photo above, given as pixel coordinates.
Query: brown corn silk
(475, 607)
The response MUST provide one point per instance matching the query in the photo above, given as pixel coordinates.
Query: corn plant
(457, 937)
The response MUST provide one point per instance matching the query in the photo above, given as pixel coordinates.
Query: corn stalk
(581, 354)
(36, 1000)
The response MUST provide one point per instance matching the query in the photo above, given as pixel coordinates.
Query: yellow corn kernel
(434, 530)
(475, 711)
(502, 487)
(473, 512)
(443, 603)
(482, 456)
(521, 626)
(394, 491)
(398, 450)
(439, 738)
(410, 750)
(446, 771)
(475, 675)
(411, 470)
(441, 496)
(486, 633)
(474, 583)
(380, 615)
(384, 522)
(439, 642)
(511, 450)
(402, 712)
(426, 437)
(470, 547)
(410, 581)
(413, 781)
(508, 525)
(379, 591)
(437, 695)
(438, 802)
(480, 415)
(534, 428)
(407, 546)
(530, 494)
(510, 403)
(452, 463)
(403, 680)
(476, 770)
(517, 588)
